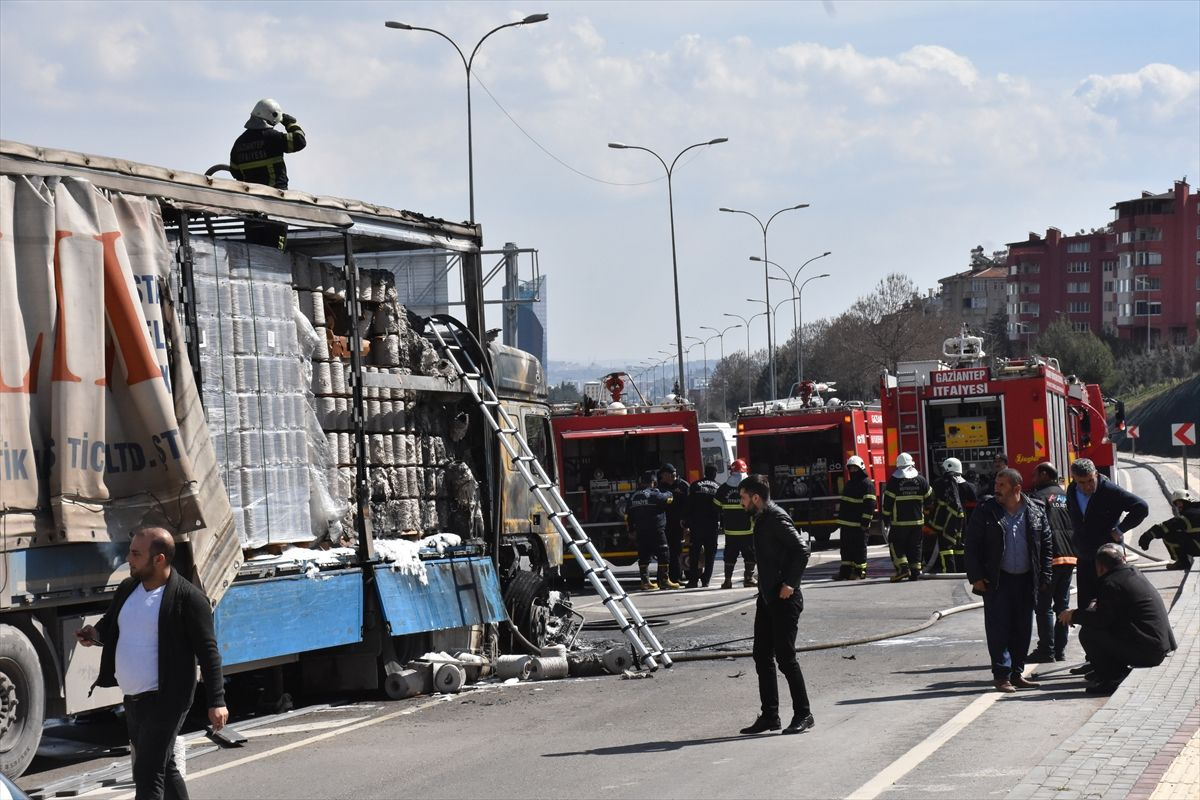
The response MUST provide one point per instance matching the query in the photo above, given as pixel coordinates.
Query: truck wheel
(22, 701)
(521, 599)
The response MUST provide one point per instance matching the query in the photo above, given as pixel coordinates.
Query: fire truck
(1026, 408)
(801, 444)
(604, 443)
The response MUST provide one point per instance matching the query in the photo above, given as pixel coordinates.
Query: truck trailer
(331, 479)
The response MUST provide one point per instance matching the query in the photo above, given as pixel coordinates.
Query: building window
(1079, 287)
(1031, 288)
(1079, 307)
(1110, 306)
(1142, 235)
(1081, 327)
(1030, 308)
(1110, 264)
(1139, 308)
(1079, 247)
(1108, 286)
(1145, 258)
(1079, 266)
(1145, 283)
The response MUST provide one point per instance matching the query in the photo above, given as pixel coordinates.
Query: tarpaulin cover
(92, 438)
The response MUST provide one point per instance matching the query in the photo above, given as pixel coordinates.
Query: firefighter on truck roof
(257, 157)
(904, 501)
(856, 509)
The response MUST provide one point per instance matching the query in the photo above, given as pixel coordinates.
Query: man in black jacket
(782, 555)
(1008, 562)
(668, 482)
(700, 523)
(153, 633)
(1096, 505)
(1052, 635)
(1126, 627)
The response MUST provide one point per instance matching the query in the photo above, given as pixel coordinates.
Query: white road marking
(714, 614)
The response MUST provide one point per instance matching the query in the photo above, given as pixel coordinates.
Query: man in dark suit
(1101, 512)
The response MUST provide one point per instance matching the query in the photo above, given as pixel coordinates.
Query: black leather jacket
(985, 543)
(782, 552)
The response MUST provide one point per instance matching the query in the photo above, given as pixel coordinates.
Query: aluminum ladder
(443, 334)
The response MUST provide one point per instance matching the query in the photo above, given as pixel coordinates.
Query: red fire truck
(603, 445)
(958, 407)
(801, 444)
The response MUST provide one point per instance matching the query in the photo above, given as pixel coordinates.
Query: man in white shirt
(154, 632)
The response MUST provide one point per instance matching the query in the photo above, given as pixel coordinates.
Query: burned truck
(320, 459)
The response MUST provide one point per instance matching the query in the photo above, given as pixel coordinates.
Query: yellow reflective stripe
(869, 497)
(908, 523)
(851, 500)
(262, 162)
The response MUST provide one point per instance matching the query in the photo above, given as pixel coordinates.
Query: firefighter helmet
(855, 461)
(266, 110)
(738, 466)
(952, 465)
(904, 461)
(1183, 496)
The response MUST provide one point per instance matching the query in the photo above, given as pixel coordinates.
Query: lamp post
(704, 352)
(721, 335)
(766, 282)
(671, 209)
(746, 322)
(691, 347)
(669, 356)
(800, 328)
(795, 314)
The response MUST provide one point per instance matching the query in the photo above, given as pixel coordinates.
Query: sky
(914, 130)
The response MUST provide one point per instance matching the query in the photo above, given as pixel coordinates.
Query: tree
(995, 337)
(729, 379)
(891, 325)
(565, 392)
(1079, 353)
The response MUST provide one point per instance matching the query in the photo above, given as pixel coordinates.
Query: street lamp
(669, 356)
(721, 334)
(795, 315)
(467, 62)
(746, 322)
(766, 282)
(671, 207)
(800, 328)
(704, 351)
(698, 343)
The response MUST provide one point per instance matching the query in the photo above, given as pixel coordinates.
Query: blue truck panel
(281, 616)
(460, 592)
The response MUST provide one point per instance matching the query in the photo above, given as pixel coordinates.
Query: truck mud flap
(274, 617)
(459, 592)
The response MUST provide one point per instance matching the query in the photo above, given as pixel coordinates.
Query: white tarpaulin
(91, 440)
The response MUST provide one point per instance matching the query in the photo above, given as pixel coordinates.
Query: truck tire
(529, 616)
(22, 701)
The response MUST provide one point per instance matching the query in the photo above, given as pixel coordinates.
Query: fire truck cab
(605, 443)
(957, 406)
(801, 444)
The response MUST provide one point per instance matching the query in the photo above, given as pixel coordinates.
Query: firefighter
(904, 501)
(952, 494)
(257, 157)
(856, 509)
(678, 490)
(1181, 533)
(701, 521)
(646, 514)
(737, 525)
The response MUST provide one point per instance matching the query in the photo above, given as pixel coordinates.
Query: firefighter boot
(647, 584)
(664, 579)
(728, 584)
(749, 579)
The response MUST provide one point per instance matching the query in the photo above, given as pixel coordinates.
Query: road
(903, 714)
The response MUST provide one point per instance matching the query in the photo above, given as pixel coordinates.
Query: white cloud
(1161, 92)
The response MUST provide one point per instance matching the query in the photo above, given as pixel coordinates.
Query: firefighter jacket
(1186, 524)
(904, 501)
(703, 510)
(647, 510)
(735, 520)
(856, 508)
(678, 492)
(950, 513)
(1054, 499)
(257, 155)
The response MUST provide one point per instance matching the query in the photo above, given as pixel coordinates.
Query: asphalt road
(907, 715)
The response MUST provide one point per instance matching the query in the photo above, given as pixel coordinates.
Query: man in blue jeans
(1008, 562)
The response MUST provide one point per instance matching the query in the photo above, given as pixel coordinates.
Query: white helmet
(855, 461)
(952, 465)
(266, 110)
(1185, 495)
(904, 461)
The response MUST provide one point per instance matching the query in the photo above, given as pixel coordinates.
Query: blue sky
(915, 130)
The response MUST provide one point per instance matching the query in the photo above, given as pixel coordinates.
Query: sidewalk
(1144, 743)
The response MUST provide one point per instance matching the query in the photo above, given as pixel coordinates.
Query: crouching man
(1125, 627)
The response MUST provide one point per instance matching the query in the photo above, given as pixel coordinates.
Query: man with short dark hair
(1101, 512)
(782, 556)
(1008, 562)
(153, 633)
(1126, 627)
(1052, 635)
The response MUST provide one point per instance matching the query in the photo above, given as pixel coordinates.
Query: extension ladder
(442, 332)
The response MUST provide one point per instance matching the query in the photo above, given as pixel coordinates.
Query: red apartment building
(1157, 283)
(1138, 279)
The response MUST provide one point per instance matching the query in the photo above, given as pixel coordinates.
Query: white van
(717, 447)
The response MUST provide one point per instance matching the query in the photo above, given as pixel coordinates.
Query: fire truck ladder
(445, 337)
(908, 415)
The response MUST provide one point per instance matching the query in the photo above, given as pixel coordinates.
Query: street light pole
(795, 314)
(800, 328)
(766, 281)
(704, 352)
(746, 321)
(721, 334)
(671, 209)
